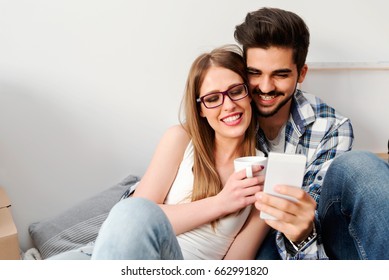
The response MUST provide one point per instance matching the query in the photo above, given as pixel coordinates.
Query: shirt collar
(302, 113)
(301, 116)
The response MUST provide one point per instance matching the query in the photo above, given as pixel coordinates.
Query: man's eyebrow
(251, 69)
(277, 71)
(282, 71)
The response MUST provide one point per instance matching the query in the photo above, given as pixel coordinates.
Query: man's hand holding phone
(283, 204)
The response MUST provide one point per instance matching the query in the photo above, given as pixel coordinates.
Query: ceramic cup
(247, 163)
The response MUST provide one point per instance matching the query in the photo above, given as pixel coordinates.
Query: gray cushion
(81, 223)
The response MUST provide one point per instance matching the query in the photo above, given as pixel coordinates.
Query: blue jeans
(353, 209)
(137, 229)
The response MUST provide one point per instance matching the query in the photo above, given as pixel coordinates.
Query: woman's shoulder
(175, 140)
(178, 133)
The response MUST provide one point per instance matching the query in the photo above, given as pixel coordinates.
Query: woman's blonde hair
(206, 179)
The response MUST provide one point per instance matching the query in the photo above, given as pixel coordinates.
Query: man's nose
(266, 85)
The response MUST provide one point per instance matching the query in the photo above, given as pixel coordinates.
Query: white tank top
(203, 242)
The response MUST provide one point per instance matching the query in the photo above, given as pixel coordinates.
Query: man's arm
(336, 142)
(296, 220)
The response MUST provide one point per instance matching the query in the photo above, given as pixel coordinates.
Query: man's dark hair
(273, 27)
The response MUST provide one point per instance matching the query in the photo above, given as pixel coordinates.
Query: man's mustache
(271, 93)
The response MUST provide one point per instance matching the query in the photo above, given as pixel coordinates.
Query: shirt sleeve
(336, 141)
(313, 250)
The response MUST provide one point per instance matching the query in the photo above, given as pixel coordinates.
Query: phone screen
(283, 169)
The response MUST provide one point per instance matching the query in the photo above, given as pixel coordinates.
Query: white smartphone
(283, 169)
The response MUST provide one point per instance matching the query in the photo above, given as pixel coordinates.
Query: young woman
(190, 204)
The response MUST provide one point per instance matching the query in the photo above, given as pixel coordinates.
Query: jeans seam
(361, 250)
(328, 206)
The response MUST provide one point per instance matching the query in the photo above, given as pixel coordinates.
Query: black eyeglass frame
(224, 93)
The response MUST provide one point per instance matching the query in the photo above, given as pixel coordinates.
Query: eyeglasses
(216, 99)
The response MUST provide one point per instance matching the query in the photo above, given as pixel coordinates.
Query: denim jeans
(353, 209)
(268, 249)
(137, 229)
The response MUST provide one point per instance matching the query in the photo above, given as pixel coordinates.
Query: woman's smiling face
(232, 118)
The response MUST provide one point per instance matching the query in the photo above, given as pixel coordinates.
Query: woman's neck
(226, 150)
(225, 153)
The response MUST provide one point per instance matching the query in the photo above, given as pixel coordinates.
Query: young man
(275, 44)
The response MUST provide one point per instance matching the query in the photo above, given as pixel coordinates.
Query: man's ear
(303, 72)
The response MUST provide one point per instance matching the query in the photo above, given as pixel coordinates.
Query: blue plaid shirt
(319, 132)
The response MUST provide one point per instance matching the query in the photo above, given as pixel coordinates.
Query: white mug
(247, 163)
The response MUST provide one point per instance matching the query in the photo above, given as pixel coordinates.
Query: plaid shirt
(319, 132)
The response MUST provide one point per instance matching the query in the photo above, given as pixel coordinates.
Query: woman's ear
(201, 111)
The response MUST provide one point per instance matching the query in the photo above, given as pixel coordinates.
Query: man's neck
(271, 126)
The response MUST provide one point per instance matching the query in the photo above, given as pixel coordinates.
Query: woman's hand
(239, 191)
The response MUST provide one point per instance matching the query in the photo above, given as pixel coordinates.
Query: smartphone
(283, 169)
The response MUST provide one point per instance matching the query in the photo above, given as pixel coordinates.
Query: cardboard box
(9, 244)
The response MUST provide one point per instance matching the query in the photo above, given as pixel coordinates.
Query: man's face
(273, 79)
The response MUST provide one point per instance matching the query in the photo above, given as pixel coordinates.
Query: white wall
(88, 87)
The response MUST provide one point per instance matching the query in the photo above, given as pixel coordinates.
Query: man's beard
(278, 108)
